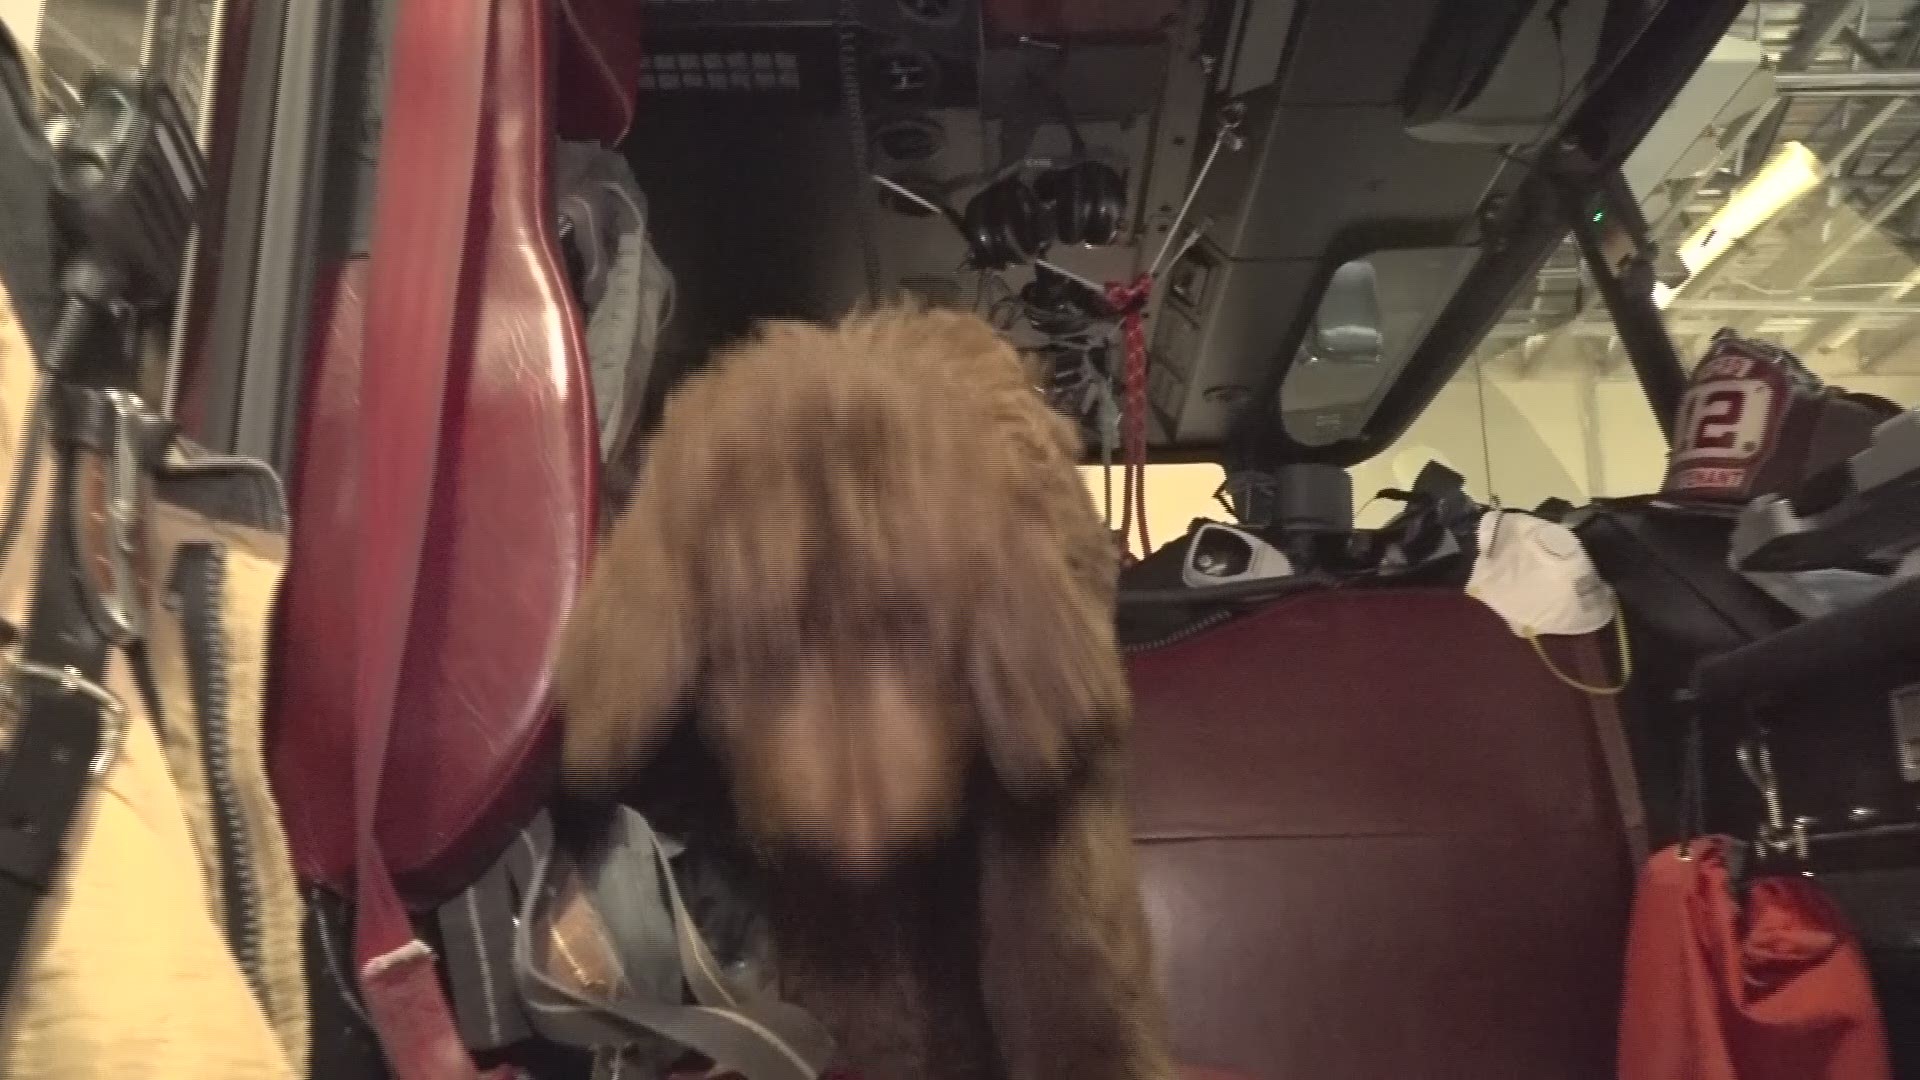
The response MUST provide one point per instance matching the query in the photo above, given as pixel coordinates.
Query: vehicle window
(1176, 495)
(1519, 440)
(1783, 187)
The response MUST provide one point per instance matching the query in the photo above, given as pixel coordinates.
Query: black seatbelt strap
(69, 726)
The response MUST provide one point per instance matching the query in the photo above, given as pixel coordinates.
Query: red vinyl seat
(1378, 840)
(1207, 1072)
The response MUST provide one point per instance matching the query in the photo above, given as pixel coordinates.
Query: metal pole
(1818, 28)
(1836, 333)
(1681, 323)
(1863, 133)
(1628, 293)
(1901, 83)
(1795, 308)
(1876, 217)
(256, 338)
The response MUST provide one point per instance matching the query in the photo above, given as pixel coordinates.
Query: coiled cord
(853, 101)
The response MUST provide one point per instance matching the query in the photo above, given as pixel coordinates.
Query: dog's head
(865, 557)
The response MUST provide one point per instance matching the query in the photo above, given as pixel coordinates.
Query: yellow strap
(1626, 661)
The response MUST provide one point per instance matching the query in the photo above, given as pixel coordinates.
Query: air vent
(729, 71)
(910, 140)
(903, 75)
(740, 12)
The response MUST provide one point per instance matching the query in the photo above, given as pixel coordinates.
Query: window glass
(1176, 495)
(1782, 189)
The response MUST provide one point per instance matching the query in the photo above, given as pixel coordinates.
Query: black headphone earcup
(1006, 224)
(1108, 203)
(1028, 230)
(981, 248)
(1059, 191)
(1087, 202)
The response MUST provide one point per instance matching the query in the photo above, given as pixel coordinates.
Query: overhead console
(1319, 179)
(919, 52)
(1369, 187)
(1500, 72)
(762, 194)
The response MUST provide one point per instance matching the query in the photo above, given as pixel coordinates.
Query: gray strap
(477, 944)
(1616, 751)
(758, 1038)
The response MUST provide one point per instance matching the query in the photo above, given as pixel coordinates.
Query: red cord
(1130, 300)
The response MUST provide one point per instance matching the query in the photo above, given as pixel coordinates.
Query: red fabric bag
(1769, 986)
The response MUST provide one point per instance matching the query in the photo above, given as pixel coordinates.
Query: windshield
(1782, 187)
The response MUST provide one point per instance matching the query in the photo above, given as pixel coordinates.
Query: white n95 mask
(1536, 576)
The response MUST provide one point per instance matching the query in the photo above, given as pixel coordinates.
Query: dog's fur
(863, 556)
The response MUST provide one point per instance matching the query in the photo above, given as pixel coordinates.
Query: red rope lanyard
(1130, 300)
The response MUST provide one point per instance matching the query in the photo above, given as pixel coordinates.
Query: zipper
(199, 581)
(1197, 627)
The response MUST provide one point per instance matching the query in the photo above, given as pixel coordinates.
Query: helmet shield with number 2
(1756, 421)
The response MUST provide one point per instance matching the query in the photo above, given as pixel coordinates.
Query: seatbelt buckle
(125, 601)
(112, 434)
(114, 718)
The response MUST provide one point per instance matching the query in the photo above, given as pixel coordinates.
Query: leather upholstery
(1378, 840)
(509, 532)
(599, 42)
(1203, 1072)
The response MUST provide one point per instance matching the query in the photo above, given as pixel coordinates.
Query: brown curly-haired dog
(865, 560)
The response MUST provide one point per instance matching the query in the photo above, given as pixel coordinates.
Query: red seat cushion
(1208, 1072)
(1378, 841)
(472, 748)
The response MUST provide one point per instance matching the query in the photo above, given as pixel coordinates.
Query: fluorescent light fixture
(1788, 175)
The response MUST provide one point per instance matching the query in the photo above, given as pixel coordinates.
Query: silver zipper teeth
(1179, 635)
(246, 931)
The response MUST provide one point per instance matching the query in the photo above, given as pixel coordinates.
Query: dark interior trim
(1637, 85)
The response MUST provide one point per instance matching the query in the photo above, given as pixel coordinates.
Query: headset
(1086, 200)
(1010, 222)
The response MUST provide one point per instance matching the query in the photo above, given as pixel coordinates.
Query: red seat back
(508, 533)
(1378, 840)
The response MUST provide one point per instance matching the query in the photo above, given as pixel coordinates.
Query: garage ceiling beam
(1821, 25)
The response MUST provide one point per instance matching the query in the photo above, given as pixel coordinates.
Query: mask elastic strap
(1626, 660)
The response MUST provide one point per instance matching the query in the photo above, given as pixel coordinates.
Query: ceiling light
(1789, 174)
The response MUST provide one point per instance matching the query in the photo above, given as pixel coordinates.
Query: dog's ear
(630, 652)
(1044, 673)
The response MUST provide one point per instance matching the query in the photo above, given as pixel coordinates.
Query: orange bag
(1769, 986)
